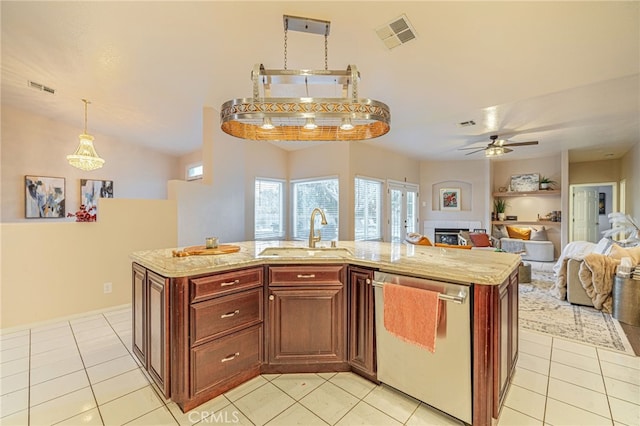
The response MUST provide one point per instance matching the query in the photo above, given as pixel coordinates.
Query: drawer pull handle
(230, 357)
(306, 275)
(230, 283)
(230, 314)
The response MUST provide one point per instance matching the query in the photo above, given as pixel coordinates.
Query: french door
(402, 199)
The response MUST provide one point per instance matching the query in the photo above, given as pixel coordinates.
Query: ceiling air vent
(41, 87)
(396, 32)
(467, 123)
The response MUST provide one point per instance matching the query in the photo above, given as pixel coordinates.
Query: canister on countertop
(211, 242)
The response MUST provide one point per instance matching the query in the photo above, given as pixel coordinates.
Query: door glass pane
(412, 210)
(396, 215)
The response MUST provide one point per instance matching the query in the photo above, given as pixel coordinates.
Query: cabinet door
(158, 329)
(139, 296)
(361, 322)
(513, 321)
(306, 324)
(503, 341)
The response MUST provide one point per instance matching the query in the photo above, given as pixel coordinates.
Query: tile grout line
(87, 375)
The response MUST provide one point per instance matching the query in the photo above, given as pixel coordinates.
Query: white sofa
(541, 251)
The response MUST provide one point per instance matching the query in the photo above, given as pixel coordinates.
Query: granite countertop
(453, 265)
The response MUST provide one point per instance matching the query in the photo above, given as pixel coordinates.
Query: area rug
(541, 312)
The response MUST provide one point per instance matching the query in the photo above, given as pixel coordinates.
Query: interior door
(585, 213)
(403, 210)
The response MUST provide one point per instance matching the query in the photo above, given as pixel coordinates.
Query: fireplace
(447, 235)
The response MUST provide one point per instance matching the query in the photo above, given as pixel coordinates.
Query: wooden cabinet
(217, 326)
(361, 324)
(507, 339)
(495, 346)
(151, 324)
(307, 318)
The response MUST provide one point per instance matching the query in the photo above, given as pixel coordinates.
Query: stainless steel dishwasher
(441, 379)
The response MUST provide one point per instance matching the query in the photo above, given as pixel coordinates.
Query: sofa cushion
(418, 239)
(618, 252)
(500, 231)
(539, 235)
(519, 233)
(480, 240)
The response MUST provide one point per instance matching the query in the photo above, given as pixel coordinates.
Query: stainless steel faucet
(313, 239)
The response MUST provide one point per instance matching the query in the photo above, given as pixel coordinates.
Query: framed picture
(91, 190)
(450, 199)
(44, 197)
(525, 183)
(602, 203)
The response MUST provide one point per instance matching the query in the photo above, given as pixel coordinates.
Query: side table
(626, 300)
(524, 273)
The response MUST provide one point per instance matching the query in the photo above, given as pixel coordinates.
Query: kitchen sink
(325, 252)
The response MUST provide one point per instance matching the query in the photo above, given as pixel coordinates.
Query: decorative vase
(501, 216)
(544, 185)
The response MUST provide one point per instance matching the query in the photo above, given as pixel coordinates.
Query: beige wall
(472, 177)
(630, 171)
(263, 160)
(52, 270)
(594, 171)
(36, 145)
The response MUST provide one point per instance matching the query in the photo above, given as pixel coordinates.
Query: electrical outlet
(107, 288)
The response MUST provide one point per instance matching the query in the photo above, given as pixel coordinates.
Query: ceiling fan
(497, 147)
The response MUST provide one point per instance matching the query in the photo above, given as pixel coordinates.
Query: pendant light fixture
(85, 157)
(263, 117)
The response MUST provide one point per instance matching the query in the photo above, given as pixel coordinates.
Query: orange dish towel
(412, 314)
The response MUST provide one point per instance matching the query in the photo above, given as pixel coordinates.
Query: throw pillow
(480, 240)
(618, 252)
(519, 233)
(453, 246)
(500, 231)
(539, 235)
(418, 239)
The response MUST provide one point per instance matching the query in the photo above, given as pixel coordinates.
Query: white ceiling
(563, 73)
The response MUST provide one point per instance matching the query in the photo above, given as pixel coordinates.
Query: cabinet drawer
(305, 275)
(223, 358)
(228, 282)
(225, 314)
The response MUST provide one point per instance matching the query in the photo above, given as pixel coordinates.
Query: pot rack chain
(326, 44)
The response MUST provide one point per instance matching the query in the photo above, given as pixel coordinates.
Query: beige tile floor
(82, 372)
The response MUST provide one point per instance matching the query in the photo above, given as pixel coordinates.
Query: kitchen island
(205, 324)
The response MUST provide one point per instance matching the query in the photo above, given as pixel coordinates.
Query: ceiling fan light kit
(268, 118)
(497, 147)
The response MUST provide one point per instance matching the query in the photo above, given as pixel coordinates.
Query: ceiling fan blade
(477, 150)
(507, 150)
(521, 143)
(472, 147)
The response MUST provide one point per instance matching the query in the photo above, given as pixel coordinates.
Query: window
(194, 171)
(309, 194)
(368, 210)
(269, 209)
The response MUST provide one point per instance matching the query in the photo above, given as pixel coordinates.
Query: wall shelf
(544, 192)
(525, 222)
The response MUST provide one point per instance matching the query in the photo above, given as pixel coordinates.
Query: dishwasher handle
(458, 298)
